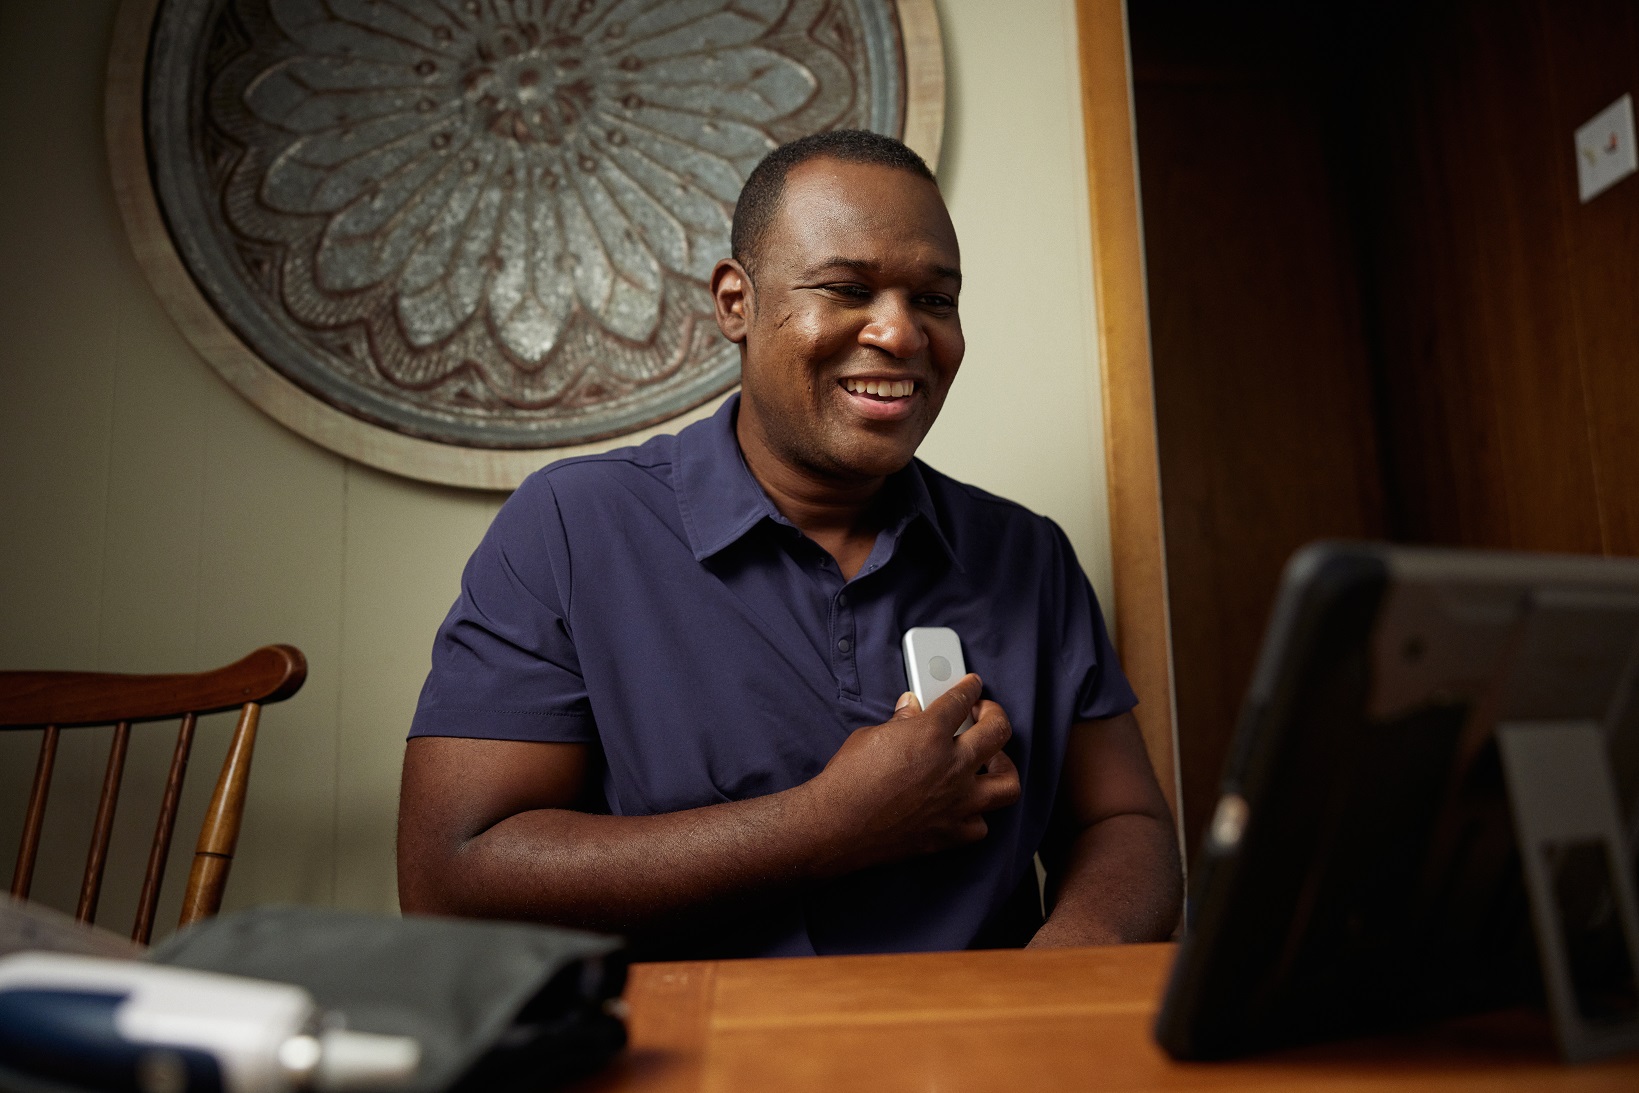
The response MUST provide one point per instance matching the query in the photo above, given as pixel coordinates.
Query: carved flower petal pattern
(518, 161)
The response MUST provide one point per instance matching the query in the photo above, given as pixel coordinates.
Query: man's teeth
(881, 388)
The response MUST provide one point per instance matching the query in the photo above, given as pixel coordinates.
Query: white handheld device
(933, 661)
(91, 1023)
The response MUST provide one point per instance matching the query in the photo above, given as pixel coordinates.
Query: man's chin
(871, 458)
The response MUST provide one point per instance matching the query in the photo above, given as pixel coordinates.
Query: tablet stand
(1579, 878)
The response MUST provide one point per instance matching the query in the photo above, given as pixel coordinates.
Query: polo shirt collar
(720, 501)
(917, 501)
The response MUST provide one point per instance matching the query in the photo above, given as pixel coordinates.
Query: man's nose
(895, 328)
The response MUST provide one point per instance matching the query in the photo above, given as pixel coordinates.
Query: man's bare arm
(1113, 869)
(489, 828)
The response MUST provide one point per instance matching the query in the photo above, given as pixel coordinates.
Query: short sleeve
(1087, 659)
(504, 665)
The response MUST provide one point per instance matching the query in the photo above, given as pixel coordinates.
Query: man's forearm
(490, 828)
(1119, 881)
(632, 873)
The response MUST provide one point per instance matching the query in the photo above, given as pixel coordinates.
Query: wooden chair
(61, 700)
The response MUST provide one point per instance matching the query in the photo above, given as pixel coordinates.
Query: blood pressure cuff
(495, 1006)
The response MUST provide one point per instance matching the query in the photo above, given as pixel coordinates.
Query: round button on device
(939, 668)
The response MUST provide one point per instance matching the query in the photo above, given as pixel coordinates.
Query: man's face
(850, 331)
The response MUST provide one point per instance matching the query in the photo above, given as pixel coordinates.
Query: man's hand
(492, 828)
(910, 786)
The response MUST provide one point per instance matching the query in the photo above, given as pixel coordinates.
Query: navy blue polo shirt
(653, 603)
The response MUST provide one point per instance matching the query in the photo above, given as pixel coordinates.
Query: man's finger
(988, 734)
(997, 789)
(907, 706)
(1001, 763)
(951, 708)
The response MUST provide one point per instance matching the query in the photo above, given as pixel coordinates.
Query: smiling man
(669, 700)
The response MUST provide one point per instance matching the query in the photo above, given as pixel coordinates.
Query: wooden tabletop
(1076, 1019)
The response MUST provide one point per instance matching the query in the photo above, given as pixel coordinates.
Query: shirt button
(843, 645)
(842, 599)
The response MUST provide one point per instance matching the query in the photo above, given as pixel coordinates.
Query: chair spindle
(220, 834)
(23, 876)
(95, 861)
(148, 901)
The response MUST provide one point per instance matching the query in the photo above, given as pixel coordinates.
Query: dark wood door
(1378, 308)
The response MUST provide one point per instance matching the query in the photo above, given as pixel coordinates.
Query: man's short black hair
(760, 197)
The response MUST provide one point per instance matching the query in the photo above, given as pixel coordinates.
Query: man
(665, 702)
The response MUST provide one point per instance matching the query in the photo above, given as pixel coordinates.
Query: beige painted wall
(151, 520)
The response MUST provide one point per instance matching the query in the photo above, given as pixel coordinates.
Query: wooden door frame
(1137, 541)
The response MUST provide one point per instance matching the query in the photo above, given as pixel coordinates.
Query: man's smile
(881, 389)
(881, 399)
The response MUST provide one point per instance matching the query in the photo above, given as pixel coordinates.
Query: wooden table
(1030, 1021)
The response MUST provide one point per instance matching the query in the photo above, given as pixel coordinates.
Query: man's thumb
(907, 706)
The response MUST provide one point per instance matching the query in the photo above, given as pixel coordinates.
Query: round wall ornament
(457, 239)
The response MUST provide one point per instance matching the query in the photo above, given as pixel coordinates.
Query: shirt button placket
(843, 641)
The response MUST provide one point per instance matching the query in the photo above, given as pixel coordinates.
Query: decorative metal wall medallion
(485, 224)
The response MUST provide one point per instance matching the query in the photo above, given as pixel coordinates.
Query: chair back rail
(32, 699)
(59, 700)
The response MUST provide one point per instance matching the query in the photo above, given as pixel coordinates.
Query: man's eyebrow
(865, 265)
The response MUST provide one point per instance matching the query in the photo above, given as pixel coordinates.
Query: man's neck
(842, 516)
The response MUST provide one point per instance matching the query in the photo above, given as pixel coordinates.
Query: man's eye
(939, 302)
(852, 292)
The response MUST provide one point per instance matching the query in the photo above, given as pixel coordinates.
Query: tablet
(1361, 870)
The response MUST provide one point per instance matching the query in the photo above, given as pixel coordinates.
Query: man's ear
(731, 298)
